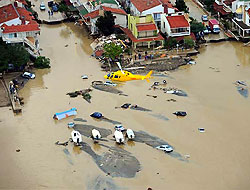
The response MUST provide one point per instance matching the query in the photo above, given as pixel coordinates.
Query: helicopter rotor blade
(120, 67)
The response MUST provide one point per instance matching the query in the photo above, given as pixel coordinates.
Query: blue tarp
(65, 114)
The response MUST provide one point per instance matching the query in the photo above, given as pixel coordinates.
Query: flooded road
(219, 158)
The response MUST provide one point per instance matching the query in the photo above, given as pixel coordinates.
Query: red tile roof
(113, 10)
(92, 15)
(248, 11)
(7, 13)
(143, 5)
(24, 13)
(21, 28)
(146, 27)
(178, 21)
(219, 8)
(134, 39)
(95, 13)
(168, 3)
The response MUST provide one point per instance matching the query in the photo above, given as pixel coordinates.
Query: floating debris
(180, 113)
(85, 94)
(84, 77)
(202, 130)
(71, 124)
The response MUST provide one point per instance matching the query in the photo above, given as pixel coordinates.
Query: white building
(91, 18)
(153, 7)
(17, 25)
(175, 25)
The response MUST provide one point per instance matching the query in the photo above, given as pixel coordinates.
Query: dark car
(50, 3)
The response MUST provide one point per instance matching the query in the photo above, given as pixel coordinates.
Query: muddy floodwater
(219, 158)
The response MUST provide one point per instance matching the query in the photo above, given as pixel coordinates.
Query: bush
(188, 42)
(42, 62)
(170, 43)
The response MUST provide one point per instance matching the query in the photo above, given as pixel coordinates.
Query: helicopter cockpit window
(116, 76)
(111, 76)
(108, 75)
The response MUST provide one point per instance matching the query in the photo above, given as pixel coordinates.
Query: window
(15, 35)
(116, 76)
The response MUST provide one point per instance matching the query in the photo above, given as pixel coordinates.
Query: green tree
(209, 5)
(42, 62)
(196, 26)
(63, 7)
(105, 23)
(170, 43)
(12, 54)
(112, 50)
(181, 6)
(188, 42)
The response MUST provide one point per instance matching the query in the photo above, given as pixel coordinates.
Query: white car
(109, 83)
(204, 18)
(28, 75)
(42, 6)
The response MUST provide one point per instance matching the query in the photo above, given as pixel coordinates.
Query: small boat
(76, 137)
(96, 134)
(65, 114)
(96, 115)
(180, 113)
(166, 148)
(130, 134)
(119, 138)
(119, 128)
(71, 124)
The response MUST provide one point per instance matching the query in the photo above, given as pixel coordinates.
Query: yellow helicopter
(123, 76)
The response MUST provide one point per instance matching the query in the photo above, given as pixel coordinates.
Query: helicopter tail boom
(149, 75)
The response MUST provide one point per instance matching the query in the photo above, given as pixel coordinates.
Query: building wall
(133, 20)
(165, 27)
(247, 19)
(21, 35)
(121, 20)
(15, 21)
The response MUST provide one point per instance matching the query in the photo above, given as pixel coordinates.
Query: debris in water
(180, 113)
(63, 144)
(153, 96)
(202, 130)
(71, 124)
(84, 77)
(171, 100)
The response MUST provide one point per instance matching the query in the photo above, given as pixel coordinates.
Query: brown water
(219, 158)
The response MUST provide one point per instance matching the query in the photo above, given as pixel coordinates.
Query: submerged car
(109, 83)
(42, 6)
(28, 75)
